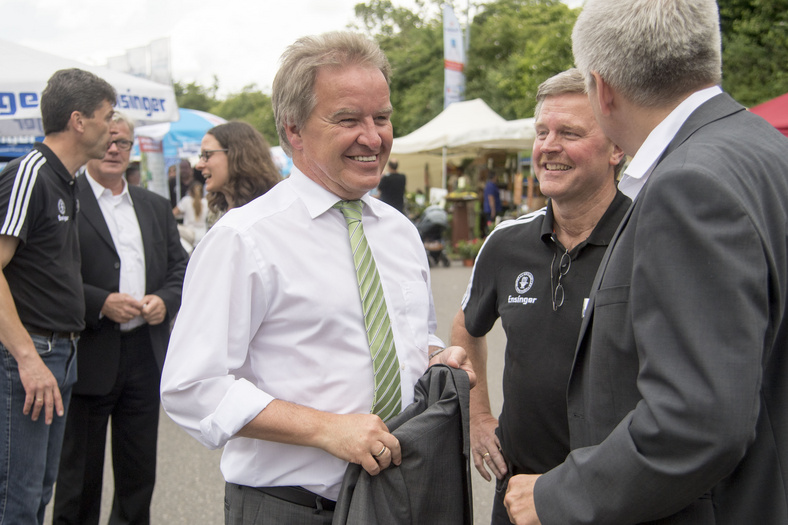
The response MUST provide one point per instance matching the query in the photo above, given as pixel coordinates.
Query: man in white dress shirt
(269, 357)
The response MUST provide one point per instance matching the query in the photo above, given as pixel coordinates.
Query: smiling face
(346, 141)
(215, 169)
(572, 157)
(109, 170)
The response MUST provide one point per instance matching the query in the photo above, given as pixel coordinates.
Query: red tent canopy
(775, 112)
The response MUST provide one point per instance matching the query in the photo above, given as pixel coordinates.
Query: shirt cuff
(240, 405)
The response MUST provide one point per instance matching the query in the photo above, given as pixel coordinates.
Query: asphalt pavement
(190, 487)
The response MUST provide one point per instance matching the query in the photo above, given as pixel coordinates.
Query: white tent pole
(443, 175)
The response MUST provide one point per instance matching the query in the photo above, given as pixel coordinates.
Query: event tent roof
(26, 72)
(467, 126)
(775, 112)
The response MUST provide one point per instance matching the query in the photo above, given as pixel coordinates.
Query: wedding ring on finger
(40, 400)
(382, 451)
(484, 456)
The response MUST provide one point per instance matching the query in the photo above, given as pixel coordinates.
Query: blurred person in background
(237, 166)
(193, 208)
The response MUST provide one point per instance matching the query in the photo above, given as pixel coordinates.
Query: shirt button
(117, 265)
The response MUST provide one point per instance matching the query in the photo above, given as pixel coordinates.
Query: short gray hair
(569, 82)
(293, 90)
(652, 51)
(119, 117)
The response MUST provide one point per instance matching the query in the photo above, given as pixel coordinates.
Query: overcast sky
(239, 41)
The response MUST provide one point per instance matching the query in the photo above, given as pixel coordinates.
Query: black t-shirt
(38, 205)
(392, 190)
(511, 280)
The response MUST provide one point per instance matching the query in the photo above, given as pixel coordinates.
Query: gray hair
(70, 90)
(569, 82)
(121, 118)
(293, 90)
(652, 51)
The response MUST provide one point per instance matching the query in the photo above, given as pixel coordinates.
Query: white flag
(453, 59)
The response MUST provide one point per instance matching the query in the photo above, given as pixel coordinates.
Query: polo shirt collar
(54, 161)
(603, 231)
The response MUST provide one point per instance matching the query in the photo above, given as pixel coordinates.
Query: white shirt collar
(316, 198)
(99, 190)
(656, 143)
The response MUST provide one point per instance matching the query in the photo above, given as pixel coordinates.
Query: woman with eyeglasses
(237, 165)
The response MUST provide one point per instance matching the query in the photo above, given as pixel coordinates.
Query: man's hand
(455, 357)
(121, 307)
(519, 500)
(486, 448)
(363, 439)
(154, 311)
(41, 389)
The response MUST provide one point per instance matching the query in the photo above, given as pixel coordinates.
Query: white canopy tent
(467, 127)
(25, 74)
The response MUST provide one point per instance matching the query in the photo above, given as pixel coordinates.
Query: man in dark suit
(677, 399)
(132, 271)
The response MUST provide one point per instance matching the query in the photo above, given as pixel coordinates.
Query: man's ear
(616, 156)
(294, 136)
(605, 96)
(77, 121)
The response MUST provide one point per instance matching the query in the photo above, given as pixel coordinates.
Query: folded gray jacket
(433, 483)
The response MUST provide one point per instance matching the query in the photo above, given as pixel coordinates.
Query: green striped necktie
(387, 400)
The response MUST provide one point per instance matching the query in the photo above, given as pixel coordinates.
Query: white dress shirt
(271, 310)
(121, 219)
(642, 164)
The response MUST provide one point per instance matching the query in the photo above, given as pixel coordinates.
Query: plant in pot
(467, 250)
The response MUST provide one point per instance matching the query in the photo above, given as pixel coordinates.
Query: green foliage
(253, 106)
(250, 105)
(195, 96)
(413, 43)
(754, 49)
(515, 46)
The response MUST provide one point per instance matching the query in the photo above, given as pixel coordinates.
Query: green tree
(196, 96)
(515, 46)
(250, 105)
(413, 43)
(754, 49)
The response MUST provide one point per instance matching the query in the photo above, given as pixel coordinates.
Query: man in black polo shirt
(41, 300)
(535, 273)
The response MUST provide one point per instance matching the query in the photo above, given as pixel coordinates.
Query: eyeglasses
(563, 268)
(205, 155)
(122, 144)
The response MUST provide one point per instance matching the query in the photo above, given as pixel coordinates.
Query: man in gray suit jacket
(132, 272)
(677, 399)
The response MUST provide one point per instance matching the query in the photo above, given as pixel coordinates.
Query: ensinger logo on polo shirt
(61, 208)
(522, 284)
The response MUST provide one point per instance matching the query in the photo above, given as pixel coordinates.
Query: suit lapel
(90, 211)
(145, 219)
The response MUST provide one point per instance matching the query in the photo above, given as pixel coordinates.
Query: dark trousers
(133, 406)
(249, 506)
